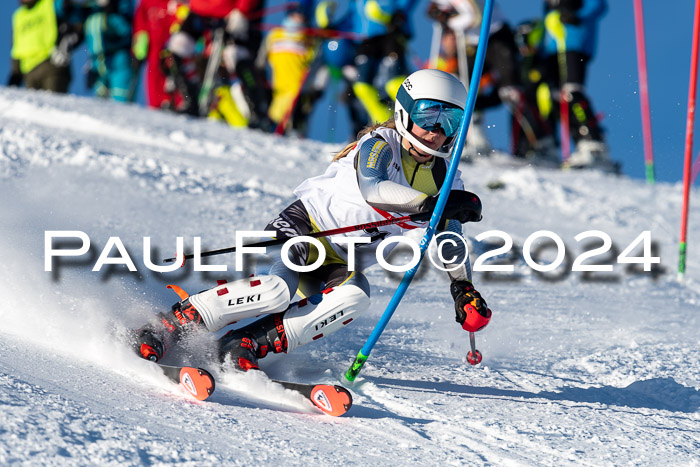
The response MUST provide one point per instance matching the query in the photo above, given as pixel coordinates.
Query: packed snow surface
(598, 368)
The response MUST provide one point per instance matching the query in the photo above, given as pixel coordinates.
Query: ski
(333, 400)
(199, 383)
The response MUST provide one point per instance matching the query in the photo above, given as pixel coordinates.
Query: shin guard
(240, 299)
(322, 314)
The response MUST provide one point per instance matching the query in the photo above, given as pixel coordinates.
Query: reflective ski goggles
(435, 115)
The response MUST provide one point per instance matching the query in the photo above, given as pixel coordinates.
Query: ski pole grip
(356, 366)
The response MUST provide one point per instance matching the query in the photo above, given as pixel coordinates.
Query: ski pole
(462, 61)
(435, 45)
(423, 216)
(213, 65)
(364, 353)
(474, 356)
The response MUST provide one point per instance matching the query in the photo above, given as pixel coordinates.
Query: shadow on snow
(655, 393)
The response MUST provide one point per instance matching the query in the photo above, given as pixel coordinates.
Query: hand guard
(463, 206)
(471, 309)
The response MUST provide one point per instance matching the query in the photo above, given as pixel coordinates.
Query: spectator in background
(153, 20)
(289, 51)
(500, 81)
(37, 61)
(380, 60)
(240, 21)
(571, 28)
(335, 66)
(108, 36)
(447, 59)
(535, 138)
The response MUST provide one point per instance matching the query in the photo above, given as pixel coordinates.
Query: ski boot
(246, 345)
(591, 154)
(148, 343)
(545, 152)
(151, 341)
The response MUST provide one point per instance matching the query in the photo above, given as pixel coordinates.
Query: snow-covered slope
(597, 371)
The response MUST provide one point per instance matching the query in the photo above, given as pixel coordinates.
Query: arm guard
(372, 163)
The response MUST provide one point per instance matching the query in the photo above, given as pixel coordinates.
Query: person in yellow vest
(36, 61)
(288, 51)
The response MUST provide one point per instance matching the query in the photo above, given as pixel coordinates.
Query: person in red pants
(153, 21)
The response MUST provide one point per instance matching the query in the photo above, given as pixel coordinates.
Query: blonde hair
(366, 130)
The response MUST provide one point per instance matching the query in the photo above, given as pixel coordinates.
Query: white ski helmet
(430, 85)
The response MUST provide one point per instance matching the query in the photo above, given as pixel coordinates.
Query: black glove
(398, 20)
(470, 308)
(15, 79)
(572, 5)
(91, 78)
(438, 14)
(569, 17)
(463, 206)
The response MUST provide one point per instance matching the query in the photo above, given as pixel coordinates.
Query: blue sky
(612, 80)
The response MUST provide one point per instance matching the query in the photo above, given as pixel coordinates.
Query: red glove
(472, 312)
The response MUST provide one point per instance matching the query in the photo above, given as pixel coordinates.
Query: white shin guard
(305, 322)
(240, 299)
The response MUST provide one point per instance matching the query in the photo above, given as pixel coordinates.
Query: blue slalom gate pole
(363, 354)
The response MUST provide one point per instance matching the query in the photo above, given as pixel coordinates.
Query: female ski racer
(396, 168)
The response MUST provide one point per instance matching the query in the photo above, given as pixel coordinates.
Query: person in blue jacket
(382, 28)
(107, 29)
(571, 30)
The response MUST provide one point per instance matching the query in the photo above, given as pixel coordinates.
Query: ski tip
(197, 382)
(333, 400)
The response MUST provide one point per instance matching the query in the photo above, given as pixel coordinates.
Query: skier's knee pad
(322, 314)
(240, 299)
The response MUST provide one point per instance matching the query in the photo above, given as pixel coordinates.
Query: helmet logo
(407, 84)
